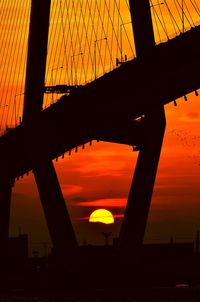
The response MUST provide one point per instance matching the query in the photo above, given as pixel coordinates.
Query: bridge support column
(57, 217)
(58, 221)
(137, 209)
(36, 59)
(142, 26)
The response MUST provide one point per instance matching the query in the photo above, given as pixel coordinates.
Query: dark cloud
(78, 199)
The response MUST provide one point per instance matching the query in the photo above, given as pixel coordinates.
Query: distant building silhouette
(165, 250)
(106, 236)
(197, 243)
(18, 248)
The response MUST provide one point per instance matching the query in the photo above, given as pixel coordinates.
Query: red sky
(100, 176)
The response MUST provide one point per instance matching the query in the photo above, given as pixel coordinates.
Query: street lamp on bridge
(3, 106)
(52, 80)
(15, 109)
(122, 26)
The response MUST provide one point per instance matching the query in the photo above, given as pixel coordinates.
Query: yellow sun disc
(101, 215)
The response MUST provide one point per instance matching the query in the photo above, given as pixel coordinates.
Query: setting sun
(101, 215)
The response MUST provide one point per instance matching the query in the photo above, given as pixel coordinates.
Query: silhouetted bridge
(110, 104)
(123, 106)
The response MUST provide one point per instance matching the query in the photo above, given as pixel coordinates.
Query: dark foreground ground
(183, 294)
(166, 273)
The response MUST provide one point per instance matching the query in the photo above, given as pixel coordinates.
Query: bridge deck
(105, 108)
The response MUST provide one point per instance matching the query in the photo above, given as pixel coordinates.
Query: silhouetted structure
(121, 96)
(18, 248)
(197, 243)
(106, 235)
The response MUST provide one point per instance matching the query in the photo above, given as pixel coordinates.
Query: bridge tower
(139, 199)
(56, 214)
(57, 217)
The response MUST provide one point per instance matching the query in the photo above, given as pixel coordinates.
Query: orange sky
(100, 176)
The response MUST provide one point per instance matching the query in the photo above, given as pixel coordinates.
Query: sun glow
(102, 215)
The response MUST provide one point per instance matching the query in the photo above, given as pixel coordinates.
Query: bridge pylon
(139, 199)
(57, 217)
(142, 27)
(53, 203)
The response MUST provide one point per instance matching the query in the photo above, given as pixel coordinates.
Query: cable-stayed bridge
(95, 70)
